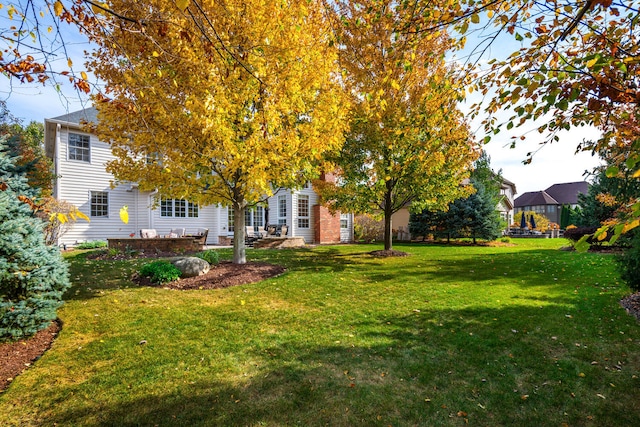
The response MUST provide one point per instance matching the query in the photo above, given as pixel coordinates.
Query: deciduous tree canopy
(408, 144)
(219, 106)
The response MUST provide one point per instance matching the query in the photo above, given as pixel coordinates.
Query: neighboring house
(79, 160)
(507, 202)
(400, 219)
(550, 201)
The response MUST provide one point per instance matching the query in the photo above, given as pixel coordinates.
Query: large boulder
(191, 266)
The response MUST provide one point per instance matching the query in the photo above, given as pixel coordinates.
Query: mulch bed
(221, 276)
(632, 304)
(18, 356)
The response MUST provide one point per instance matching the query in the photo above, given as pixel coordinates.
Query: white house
(79, 159)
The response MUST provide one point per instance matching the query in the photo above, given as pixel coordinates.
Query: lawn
(451, 335)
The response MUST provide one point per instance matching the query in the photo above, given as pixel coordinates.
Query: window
(551, 208)
(344, 221)
(178, 208)
(230, 220)
(78, 147)
(99, 203)
(254, 216)
(303, 211)
(282, 209)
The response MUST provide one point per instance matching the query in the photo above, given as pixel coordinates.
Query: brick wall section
(164, 244)
(326, 226)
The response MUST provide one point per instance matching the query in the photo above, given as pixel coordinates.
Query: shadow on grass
(425, 368)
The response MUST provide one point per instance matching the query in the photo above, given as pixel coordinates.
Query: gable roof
(557, 194)
(567, 194)
(86, 115)
(534, 198)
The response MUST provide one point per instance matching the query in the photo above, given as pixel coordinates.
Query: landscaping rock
(191, 266)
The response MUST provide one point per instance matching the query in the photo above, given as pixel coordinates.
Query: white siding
(77, 179)
(307, 233)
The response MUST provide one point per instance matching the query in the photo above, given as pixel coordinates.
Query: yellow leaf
(82, 215)
(591, 63)
(490, 14)
(69, 62)
(58, 8)
(49, 29)
(124, 214)
(183, 4)
(475, 18)
(62, 218)
(155, 54)
(636, 174)
(83, 75)
(631, 225)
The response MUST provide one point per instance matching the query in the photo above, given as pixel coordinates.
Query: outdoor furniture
(261, 232)
(148, 233)
(271, 229)
(201, 236)
(283, 229)
(177, 232)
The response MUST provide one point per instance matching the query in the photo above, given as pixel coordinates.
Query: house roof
(534, 198)
(567, 194)
(86, 115)
(557, 194)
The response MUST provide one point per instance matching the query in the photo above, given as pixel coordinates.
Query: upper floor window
(178, 208)
(79, 147)
(99, 203)
(303, 211)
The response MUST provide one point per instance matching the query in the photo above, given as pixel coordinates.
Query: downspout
(56, 164)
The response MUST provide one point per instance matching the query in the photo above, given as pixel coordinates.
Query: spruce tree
(33, 276)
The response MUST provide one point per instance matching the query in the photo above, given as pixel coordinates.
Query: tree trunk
(388, 236)
(239, 230)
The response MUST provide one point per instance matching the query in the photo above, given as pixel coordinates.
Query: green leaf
(582, 245)
(612, 171)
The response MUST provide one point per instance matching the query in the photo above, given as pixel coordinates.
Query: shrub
(505, 239)
(367, 228)
(211, 256)
(95, 244)
(629, 263)
(33, 276)
(160, 272)
(573, 234)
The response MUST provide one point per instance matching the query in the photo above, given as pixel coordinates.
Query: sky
(552, 164)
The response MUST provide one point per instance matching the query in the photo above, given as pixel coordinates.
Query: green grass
(489, 336)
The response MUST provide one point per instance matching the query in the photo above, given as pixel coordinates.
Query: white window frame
(178, 208)
(304, 218)
(81, 147)
(282, 209)
(99, 208)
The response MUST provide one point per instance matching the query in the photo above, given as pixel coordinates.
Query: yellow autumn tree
(407, 144)
(218, 101)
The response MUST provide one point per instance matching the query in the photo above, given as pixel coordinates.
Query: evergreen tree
(480, 217)
(475, 216)
(33, 276)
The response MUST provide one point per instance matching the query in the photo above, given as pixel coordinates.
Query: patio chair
(284, 229)
(249, 235)
(271, 229)
(148, 233)
(201, 236)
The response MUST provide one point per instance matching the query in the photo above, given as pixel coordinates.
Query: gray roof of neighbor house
(534, 198)
(87, 115)
(567, 194)
(557, 194)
